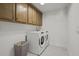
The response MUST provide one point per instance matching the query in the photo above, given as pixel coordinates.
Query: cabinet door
(7, 11)
(39, 18)
(34, 16)
(21, 13)
(30, 14)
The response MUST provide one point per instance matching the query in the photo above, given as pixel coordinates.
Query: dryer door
(46, 37)
(41, 41)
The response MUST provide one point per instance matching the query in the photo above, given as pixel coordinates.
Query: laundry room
(39, 29)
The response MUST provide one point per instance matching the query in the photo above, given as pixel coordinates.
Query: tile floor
(52, 51)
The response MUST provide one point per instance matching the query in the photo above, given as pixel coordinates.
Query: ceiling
(50, 6)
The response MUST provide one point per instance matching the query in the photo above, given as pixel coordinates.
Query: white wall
(10, 33)
(74, 29)
(56, 24)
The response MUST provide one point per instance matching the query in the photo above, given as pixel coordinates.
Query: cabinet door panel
(34, 16)
(21, 13)
(39, 19)
(30, 14)
(7, 11)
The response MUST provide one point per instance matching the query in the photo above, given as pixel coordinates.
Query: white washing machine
(37, 42)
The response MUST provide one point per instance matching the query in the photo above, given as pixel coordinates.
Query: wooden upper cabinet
(21, 13)
(7, 11)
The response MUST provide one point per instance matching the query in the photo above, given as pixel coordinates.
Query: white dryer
(37, 42)
(46, 37)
